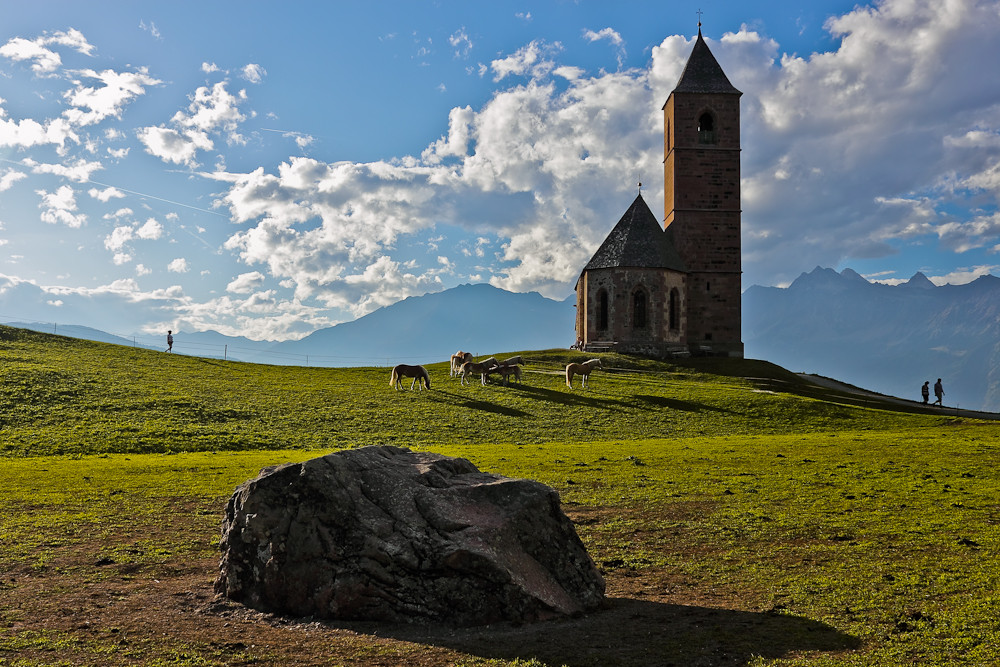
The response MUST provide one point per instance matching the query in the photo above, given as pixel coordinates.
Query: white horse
(583, 370)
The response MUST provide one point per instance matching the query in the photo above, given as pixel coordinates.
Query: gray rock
(383, 533)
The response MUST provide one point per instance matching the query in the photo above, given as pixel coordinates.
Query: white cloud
(460, 42)
(119, 237)
(212, 110)
(150, 230)
(245, 283)
(106, 194)
(179, 265)
(150, 28)
(9, 177)
(253, 73)
(59, 207)
(533, 60)
(79, 170)
(45, 60)
(209, 68)
(93, 104)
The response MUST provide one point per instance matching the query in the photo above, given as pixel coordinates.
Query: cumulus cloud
(612, 37)
(92, 104)
(549, 163)
(245, 283)
(45, 60)
(77, 170)
(179, 265)
(106, 194)
(60, 207)
(9, 177)
(212, 110)
(253, 73)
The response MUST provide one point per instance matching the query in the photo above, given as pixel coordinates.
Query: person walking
(938, 393)
(925, 391)
(170, 340)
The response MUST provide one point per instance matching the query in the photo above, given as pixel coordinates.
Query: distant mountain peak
(919, 281)
(826, 279)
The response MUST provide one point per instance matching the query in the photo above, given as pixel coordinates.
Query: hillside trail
(835, 385)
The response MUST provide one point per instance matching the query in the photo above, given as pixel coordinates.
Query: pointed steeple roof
(637, 241)
(703, 74)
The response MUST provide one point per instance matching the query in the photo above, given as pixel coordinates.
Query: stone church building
(675, 290)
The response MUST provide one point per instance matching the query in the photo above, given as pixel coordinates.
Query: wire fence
(262, 354)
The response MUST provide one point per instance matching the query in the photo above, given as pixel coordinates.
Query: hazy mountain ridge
(886, 338)
(481, 319)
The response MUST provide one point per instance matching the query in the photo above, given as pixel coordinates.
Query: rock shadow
(629, 632)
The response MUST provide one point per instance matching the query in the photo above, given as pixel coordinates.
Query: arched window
(706, 128)
(602, 311)
(639, 309)
(674, 309)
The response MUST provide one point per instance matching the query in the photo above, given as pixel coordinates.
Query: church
(675, 290)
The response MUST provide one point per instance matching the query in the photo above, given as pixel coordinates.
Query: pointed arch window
(602, 310)
(706, 128)
(639, 309)
(674, 312)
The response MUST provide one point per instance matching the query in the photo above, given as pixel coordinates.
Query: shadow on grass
(474, 404)
(568, 397)
(631, 632)
(675, 404)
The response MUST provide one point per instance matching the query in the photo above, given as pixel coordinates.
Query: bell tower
(701, 172)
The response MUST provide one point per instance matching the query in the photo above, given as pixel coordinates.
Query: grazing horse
(418, 373)
(583, 370)
(505, 370)
(482, 367)
(457, 360)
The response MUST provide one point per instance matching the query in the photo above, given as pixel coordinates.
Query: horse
(418, 373)
(583, 370)
(482, 367)
(512, 361)
(457, 360)
(505, 370)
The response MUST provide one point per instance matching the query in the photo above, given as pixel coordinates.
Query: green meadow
(741, 514)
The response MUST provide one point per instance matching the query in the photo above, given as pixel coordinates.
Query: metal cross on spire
(699, 13)
(640, 187)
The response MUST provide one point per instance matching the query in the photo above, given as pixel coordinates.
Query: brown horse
(583, 370)
(482, 367)
(457, 360)
(404, 371)
(512, 361)
(505, 370)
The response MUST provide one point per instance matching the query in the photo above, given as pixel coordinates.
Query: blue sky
(266, 170)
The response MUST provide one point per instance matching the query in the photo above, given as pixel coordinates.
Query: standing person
(938, 392)
(925, 391)
(170, 340)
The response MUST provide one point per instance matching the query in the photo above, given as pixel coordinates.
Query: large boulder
(384, 533)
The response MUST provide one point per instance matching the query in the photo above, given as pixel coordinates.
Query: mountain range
(886, 338)
(889, 339)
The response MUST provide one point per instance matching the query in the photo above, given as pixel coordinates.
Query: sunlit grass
(882, 525)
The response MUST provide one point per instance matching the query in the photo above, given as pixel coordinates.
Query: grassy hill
(742, 516)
